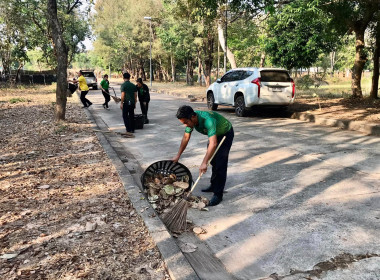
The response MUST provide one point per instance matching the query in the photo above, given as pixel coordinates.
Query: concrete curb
(178, 266)
(361, 126)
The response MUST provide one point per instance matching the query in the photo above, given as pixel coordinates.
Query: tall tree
(298, 34)
(61, 52)
(353, 16)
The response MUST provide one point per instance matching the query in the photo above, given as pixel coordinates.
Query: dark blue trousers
(220, 162)
(129, 117)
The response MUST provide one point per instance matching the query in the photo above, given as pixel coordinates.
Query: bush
(305, 82)
(17, 100)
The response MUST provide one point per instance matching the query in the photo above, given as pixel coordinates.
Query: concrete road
(302, 200)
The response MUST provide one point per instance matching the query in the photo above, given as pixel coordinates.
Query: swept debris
(165, 191)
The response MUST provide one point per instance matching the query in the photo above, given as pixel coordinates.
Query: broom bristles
(175, 219)
(116, 99)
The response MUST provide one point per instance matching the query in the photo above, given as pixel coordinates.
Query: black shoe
(89, 105)
(104, 106)
(146, 121)
(85, 107)
(208, 189)
(215, 200)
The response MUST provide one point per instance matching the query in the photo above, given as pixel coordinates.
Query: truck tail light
(293, 88)
(257, 82)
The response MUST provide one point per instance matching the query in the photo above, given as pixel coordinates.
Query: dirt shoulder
(366, 110)
(64, 213)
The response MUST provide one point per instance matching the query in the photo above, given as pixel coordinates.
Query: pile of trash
(165, 191)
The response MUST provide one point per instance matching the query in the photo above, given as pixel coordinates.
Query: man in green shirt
(104, 85)
(215, 126)
(128, 103)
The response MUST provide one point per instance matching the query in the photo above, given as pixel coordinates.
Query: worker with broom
(215, 126)
(104, 85)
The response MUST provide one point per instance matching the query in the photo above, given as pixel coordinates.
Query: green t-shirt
(105, 84)
(129, 90)
(210, 124)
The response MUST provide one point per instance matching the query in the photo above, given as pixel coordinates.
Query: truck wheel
(240, 109)
(211, 102)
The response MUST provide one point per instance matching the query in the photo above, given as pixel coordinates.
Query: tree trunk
(332, 63)
(141, 71)
(61, 53)
(18, 72)
(172, 63)
(200, 69)
(208, 58)
(230, 55)
(262, 59)
(5, 60)
(360, 60)
(375, 78)
(190, 72)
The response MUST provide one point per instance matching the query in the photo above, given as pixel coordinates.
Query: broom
(175, 219)
(115, 98)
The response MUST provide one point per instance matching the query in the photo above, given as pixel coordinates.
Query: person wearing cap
(105, 85)
(84, 89)
(215, 126)
(128, 103)
(144, 98)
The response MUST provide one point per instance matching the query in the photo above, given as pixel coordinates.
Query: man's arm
(74, 81)
(182, 147)
(213, 143)
(122, 99)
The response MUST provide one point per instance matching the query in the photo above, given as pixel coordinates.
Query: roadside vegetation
(189, 39)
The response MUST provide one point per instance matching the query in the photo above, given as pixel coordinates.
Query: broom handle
(109, 93)
(208, 163)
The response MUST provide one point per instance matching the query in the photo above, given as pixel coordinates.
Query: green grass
(17, 100)
(61, 128)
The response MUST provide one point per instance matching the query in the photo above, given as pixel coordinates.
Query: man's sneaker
(208, 189)
(104, 106)
(146, 121)
(215, 200)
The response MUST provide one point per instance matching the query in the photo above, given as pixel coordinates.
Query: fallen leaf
(90, 227)
(188, 247)
(199, 230)
(8, 256)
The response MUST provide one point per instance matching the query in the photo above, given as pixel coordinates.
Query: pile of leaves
(64, 213)
(165, 191)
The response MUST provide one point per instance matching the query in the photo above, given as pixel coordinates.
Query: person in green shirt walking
(105, 85)
(144, 98)
(128, 103)
(215, 126)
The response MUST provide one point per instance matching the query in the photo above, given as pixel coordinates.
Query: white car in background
(244, 88)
